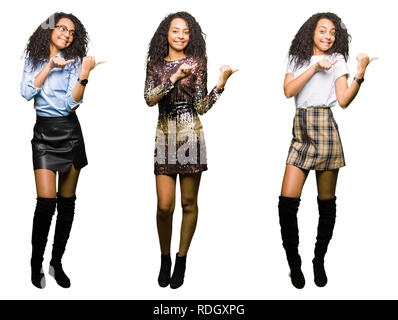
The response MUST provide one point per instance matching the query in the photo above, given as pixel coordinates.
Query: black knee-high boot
(44, 212)
(66, 211)
(327, 218)
(288, 208)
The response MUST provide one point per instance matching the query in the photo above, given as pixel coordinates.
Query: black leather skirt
(58, 143)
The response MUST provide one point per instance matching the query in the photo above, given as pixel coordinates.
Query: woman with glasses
(177, 81)
(316, 77)
(55, 75)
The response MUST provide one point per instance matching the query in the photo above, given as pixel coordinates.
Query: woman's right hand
(59, 62)
(183, 71)
(324, 65)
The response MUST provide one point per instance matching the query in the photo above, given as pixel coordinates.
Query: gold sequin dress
(179, 144)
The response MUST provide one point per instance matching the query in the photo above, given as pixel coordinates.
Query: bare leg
(68, 182)
(45, 183)
(165, 189)
(189, 202)
(326, 183)
(293, 181)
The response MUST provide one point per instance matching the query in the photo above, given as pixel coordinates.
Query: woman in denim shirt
(55, 74)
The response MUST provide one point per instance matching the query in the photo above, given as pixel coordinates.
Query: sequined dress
(179, 144)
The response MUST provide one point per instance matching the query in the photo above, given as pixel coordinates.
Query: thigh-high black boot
(44, 212)
(66, 211)
(288, 208)
(327, 218)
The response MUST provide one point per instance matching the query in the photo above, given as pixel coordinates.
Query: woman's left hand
(363, 62)
(89, 64)
(226, 72)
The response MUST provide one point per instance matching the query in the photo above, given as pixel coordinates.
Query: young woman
(317, 78)
(55, 74)
(177, 80)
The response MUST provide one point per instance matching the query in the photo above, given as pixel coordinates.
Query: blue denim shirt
(54, 97)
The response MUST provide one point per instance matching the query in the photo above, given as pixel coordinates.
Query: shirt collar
(60, 54)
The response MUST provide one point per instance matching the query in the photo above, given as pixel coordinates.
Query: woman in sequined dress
(317, 76)
(176, 80)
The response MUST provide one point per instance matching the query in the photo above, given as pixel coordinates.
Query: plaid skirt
(316, 143)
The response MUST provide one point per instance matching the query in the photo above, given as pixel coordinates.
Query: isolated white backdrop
(236, 253)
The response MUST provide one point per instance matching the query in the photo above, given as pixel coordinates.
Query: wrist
(84, 74)
(48, 66)
(174, 78)
(221, 84)
(360, 74)
(314, 68)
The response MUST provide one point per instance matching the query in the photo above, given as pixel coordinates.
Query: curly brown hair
(159, 45)
(38, 46)
(302, 47)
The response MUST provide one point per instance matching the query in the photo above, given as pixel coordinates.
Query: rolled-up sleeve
(28, 90)
(74, 72)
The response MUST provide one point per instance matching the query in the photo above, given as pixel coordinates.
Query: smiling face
(62, 35)
(178, 36)
(324, 36)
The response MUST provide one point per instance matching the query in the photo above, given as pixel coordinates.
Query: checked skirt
(316, 143)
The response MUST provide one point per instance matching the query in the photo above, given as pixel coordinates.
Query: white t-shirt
(319, 91)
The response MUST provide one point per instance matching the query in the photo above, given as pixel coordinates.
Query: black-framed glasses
(64, 29)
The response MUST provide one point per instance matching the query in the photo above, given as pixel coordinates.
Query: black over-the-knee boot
(44, 212)
(327, 218)
(288, 208)
(66, 211)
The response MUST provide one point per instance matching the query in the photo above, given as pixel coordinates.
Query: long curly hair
(159, 45)
(302, 47)
(38, 46)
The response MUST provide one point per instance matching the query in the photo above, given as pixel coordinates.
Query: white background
(236, 253)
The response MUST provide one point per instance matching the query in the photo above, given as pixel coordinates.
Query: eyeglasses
(64, 29)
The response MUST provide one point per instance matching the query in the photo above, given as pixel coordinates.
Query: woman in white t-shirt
(316, 76)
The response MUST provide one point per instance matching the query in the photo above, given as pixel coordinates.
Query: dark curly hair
(38, 46)
(302, 47)
(159, 45)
